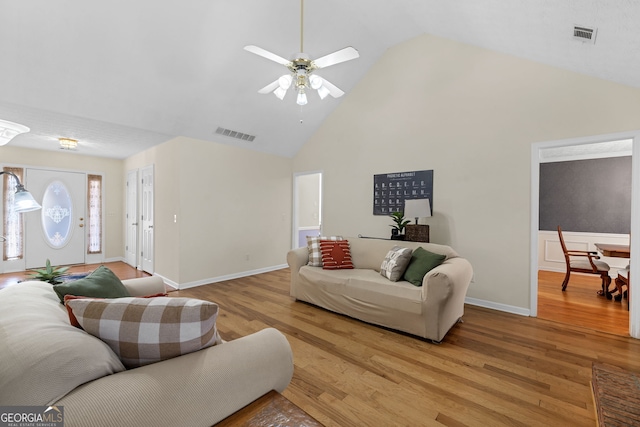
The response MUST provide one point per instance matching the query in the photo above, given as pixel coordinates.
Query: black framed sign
(390, 190)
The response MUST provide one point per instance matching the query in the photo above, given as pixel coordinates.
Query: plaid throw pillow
(335, 255)
(147, 330)
(72, 318)
(313, 243)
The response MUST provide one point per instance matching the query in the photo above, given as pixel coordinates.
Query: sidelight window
(12, 224)
(94, 199)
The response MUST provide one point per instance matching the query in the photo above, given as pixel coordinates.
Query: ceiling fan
(302, 68)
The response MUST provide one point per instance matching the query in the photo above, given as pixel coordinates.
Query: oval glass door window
(57, 214)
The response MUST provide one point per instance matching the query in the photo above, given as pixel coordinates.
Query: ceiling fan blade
(334, 91)
(269, 88)
(266, 54)
(342, 55)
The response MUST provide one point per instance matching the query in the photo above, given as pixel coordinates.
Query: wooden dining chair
(585, 262)
(622, 280)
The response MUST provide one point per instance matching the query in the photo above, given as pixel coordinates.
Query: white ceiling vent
(235, 134)
(585, 34)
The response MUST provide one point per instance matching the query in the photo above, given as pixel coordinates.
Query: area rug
(616, 393)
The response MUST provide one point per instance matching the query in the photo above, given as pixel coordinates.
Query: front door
(56, 232)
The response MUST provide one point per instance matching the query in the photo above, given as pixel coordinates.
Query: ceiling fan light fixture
(301, 67)
(280, 93)
(302, 98)
(323, 92)
(285, 81)
(315, 82)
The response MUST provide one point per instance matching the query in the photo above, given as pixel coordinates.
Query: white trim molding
(182, 286)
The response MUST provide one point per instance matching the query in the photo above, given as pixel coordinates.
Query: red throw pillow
(335, 255)
(72, 317)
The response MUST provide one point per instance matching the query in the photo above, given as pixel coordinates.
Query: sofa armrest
(142, 286)
(197, 389)
(297, 258)
(444, 290)
(453, 276)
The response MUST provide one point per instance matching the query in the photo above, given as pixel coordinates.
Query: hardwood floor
(495, 369)
(579, 305)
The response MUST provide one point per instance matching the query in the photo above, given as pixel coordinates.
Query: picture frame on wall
(390, 190)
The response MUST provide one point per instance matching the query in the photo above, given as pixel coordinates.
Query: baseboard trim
(220, 278)
(497, 306)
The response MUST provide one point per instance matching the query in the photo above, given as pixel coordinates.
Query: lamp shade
(417, 208)
(24, 201)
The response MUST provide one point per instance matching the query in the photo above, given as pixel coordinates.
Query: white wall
(471, 115)
(233, 208)
(113, 184)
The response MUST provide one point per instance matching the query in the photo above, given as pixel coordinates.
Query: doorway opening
(307, 207)
(543, 252)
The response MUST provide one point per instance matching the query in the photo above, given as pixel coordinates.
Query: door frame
(296, 209)
(634, 298)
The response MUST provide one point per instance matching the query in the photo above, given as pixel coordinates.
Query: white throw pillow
(395, 263)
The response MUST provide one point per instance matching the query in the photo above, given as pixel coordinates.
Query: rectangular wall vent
(585, 34)
(235, 134)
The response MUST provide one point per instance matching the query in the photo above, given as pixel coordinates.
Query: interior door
(147, 218)
(56, 232)
(131, 221)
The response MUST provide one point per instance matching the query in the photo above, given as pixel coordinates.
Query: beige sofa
(428, 311)
(46, 361)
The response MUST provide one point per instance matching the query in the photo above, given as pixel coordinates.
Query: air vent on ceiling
(585, 34)
(235, 134)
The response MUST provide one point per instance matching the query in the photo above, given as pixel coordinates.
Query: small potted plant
(48, 274)
(398, 228)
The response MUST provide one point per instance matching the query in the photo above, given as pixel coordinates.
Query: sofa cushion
(42, 356)
(422, 262)
(363, 289)
(395, 263)
(335, 255)
(101, 283)
(313, 244)
(369, 253)
(147, 330)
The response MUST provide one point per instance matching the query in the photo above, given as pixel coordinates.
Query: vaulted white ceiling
(121, 76)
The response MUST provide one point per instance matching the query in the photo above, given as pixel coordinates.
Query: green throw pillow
(102, 283)
(422, 262)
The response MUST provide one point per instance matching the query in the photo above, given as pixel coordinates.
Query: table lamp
(417, 208)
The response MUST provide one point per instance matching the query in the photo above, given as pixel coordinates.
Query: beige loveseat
(428, 311)
(46, 361)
